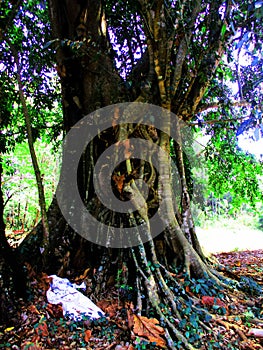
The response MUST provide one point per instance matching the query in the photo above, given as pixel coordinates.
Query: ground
(230, 235)
(236, 323)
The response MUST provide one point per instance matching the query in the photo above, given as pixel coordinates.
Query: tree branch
(215, 121)
(204, 108)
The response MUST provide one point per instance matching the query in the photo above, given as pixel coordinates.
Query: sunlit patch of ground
(229, 235)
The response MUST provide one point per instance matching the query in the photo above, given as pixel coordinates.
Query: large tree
(170, 54)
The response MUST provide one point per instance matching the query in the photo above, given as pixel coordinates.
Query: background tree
(170, 54)
(21, 31)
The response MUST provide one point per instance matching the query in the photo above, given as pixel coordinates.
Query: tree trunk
(89, 82)
(41, 193)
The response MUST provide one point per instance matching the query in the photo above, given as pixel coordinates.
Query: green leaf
(223, 30)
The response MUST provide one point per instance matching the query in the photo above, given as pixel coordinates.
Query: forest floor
(36, 324)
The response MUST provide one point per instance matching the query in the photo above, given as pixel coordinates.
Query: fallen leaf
(42, 329)
(119, 181)
(148, 327)
(45, 282)
(55, 310)
(210, 301)
(9, 329)
(131, 347)
(110, 307)
(187, 289)
(103, 304)
(30, 271)
(33, 309)
(87, 335)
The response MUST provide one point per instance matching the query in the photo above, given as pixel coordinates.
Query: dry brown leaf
(119, 181)
(45, 282)
(131, 347)
(87, 335)
(210, 301)
(42, 329)
(109, 307)
(103, 304)
(148, 327)
(187, 289)
(30, 271)
(111, 310)
(33, 309)
(55, 310)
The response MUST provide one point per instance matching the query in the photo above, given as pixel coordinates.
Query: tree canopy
(232, 99)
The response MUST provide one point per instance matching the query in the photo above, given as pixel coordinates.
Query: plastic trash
(75, 305)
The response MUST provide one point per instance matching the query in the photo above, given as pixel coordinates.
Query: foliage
(231, 107)
(19, 184)
(231, 172)
(26, 26)
(43, 325)
(250, 286)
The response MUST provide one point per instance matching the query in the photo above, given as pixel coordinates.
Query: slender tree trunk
(41, 194)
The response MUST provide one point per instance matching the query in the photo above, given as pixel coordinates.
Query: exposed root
(179, 309)
(152, 288)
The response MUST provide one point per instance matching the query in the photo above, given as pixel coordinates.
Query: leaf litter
(37, 324)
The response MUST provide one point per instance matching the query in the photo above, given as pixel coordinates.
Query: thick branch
(211, 60)
(182, 50)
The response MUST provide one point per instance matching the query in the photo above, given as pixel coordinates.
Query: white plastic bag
(75, 305)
